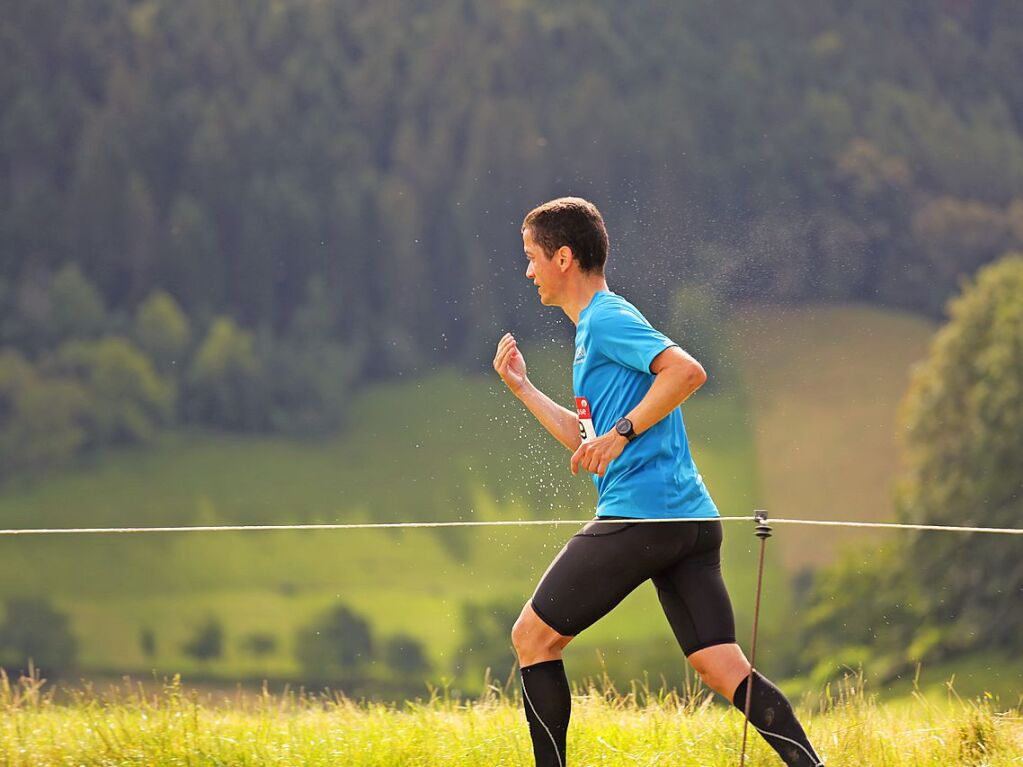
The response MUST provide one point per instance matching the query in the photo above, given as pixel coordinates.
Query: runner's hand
(595, 456)
(509, 363)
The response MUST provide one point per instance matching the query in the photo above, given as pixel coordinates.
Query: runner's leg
(696, 603)
(772, 715)
(595, 570)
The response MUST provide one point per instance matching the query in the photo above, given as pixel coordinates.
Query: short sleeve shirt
(655, 476)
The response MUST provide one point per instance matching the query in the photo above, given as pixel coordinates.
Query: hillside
(453, 446)
(824, 385)
(444, 447)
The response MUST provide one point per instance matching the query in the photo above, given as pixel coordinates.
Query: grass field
(444, 447)
(176, 726)
(810, 435)
(824, 385)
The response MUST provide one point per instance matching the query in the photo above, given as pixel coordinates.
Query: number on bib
(586, 429)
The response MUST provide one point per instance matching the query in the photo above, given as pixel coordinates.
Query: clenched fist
(510, 364)
(595, 456)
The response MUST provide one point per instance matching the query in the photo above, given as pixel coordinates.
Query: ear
(564, 257)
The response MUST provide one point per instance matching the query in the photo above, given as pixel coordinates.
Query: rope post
(763, 532)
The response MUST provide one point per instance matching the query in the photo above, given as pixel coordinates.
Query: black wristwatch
(624, 427)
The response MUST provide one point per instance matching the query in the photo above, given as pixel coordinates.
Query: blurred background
(257, 254)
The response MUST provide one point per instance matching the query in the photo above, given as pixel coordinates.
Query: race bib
(582, 408)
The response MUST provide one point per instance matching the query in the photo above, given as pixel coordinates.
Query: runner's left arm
(676, 376)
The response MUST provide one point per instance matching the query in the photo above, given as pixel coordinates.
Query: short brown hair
(574, 222)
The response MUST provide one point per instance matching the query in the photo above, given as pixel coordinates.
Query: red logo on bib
(582, 407)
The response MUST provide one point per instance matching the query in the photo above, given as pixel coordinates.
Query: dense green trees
(127, 400)
(405, 655)
(229, 153)
(962, 426)
(934, 595)
(40, 418)
(100, 379)
(225, 377)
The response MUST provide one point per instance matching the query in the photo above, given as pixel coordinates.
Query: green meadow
(447, 446)
(824, 385)
(452, 445)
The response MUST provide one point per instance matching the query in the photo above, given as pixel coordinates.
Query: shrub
(40, 419)
(128, 399)
(406, 655)
(35, 630)
(258, 644)
(163, 331)
(207, 643)
(339, 642)
(226, 380)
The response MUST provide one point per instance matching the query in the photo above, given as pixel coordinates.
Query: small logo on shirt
(580, 353)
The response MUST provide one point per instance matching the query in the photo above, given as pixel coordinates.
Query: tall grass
(643, 726)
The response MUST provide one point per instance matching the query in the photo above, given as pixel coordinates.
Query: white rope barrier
(902, 526)
(340, 526)
(493, 523)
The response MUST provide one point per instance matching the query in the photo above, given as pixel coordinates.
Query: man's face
(543, 271)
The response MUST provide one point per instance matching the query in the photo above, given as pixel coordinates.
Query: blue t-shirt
(655, 476)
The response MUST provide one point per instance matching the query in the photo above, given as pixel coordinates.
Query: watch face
(624, 426)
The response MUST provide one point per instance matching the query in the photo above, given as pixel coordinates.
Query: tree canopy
(235, 212)
(228, 153)
(935, 595)
(962, 421)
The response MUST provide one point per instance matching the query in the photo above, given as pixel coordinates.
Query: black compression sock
(771, 713)
(548, 703)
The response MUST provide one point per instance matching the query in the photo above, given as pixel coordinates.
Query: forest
(346, 180)
(231, 153)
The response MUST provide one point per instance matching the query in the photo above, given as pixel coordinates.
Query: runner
(628, 432)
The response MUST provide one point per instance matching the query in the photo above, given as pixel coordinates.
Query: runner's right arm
(561, 422)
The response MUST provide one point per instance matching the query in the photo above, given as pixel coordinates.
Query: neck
(580, 295)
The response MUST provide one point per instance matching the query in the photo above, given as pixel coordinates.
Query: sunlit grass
(175, 726)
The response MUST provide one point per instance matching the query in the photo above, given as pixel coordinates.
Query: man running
(627, 431)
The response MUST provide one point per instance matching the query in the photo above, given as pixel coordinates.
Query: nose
(529, 271)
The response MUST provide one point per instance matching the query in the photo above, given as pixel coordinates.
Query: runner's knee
(519, 634)
(721, 667)
(528, 632)
(531, 636)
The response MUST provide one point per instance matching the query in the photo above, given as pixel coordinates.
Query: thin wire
(349, 526)
(492, 523)
(902, 526)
